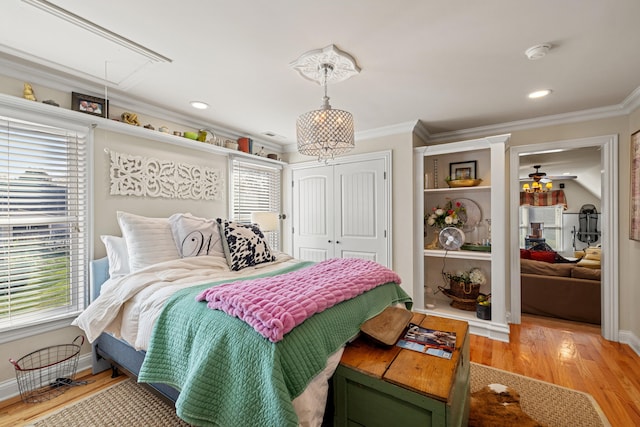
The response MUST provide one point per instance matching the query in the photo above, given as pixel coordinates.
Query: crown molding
(624, 108)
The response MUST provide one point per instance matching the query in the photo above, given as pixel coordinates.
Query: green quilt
(230, 375)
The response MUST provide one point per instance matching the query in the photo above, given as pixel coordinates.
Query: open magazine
(429, 341)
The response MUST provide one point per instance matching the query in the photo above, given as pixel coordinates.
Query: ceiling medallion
(311, 64)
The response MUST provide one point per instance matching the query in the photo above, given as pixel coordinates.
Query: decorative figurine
(148, 126)
(27, 92)
(130, 118)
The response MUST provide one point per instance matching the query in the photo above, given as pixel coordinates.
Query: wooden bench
(384, 386)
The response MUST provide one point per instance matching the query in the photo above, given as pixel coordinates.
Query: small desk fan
(451, 238)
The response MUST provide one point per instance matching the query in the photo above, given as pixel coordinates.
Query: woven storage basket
(464, 290)
(463, 295)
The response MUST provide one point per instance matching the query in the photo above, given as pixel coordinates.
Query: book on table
(429, 341)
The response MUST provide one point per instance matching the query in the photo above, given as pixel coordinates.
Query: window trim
(260, 164)
(37, 113)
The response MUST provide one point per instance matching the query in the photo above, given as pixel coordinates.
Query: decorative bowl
(455, 183)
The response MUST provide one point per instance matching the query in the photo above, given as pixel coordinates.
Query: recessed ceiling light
(199, 105)
(539, 93)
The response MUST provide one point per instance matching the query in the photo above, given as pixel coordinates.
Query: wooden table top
(422, 373)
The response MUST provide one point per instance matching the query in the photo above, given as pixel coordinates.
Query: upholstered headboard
(99, 270)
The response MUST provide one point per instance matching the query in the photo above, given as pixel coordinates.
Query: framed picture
(89, 104)
(634, 214)
(463, 170)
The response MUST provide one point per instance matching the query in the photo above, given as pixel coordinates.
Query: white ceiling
(452, 65)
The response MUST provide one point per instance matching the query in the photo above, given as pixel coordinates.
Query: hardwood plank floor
(573, 355)
(14, 412)
(569, 354)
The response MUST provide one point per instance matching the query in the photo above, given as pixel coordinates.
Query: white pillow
(117, 255)
(149, 240)
(195, 236)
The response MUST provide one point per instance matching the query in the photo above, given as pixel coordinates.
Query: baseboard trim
(628, 337)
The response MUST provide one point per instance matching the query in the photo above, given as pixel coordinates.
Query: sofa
(562, 290)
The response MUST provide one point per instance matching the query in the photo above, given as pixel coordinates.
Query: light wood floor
(572, 355)
(569, 354)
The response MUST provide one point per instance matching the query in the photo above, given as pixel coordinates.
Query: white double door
(342, 211)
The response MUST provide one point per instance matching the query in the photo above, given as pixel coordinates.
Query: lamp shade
(267, 221)
(325, 133)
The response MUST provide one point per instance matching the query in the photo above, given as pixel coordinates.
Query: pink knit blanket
(275, 305)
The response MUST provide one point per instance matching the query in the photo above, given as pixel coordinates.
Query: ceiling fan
(539, 176)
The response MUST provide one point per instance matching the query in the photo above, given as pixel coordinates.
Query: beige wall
(106, 205)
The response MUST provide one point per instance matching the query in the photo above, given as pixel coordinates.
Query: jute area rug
(130, 404)
(547, 403)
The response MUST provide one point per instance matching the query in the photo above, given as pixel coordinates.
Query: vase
(435, 243)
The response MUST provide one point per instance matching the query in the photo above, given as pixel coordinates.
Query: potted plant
(449, 216)
(483, 307)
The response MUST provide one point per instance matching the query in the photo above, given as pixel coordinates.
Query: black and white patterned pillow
(244, 245)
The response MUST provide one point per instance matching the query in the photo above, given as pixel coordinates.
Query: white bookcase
(490, 199)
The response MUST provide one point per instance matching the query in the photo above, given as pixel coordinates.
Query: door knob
(338, 242)
(328, 241)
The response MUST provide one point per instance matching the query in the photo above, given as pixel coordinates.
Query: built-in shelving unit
(489, 197)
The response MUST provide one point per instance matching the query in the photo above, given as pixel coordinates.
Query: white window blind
(255, 188)
(43, 223)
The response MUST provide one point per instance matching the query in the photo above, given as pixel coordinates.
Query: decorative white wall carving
(141, 176)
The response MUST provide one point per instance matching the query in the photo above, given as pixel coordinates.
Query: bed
(216, 367)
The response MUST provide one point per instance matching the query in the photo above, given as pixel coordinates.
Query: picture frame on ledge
(463, 170)
(90, 104)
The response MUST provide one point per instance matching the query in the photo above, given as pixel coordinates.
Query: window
(43, 223)
(551, 219)
(255, 187)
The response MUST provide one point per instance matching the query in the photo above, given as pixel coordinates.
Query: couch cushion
(589, 263)
(585, 273)
(525, 254)
(593, 253)
(549, 257)
(530, 266)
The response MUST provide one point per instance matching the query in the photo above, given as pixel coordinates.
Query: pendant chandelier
(540, 183)
(327, 132)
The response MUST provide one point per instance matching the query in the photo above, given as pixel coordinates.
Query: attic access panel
(95, 54)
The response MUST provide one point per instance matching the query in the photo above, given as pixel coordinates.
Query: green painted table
(391, 386)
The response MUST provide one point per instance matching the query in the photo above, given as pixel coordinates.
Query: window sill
(25, 331)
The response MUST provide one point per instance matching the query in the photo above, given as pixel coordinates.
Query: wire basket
(48, 372)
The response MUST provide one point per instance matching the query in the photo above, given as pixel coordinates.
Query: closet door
(313, 213)
(341, 211)
(360, 212)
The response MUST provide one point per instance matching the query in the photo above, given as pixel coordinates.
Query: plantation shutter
(43, 222)
(255, 188)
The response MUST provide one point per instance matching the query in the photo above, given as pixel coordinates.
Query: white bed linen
(128, 306)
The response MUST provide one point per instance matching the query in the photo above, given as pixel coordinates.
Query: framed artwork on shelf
(89, 104)
(634, 214)
(463, 170)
